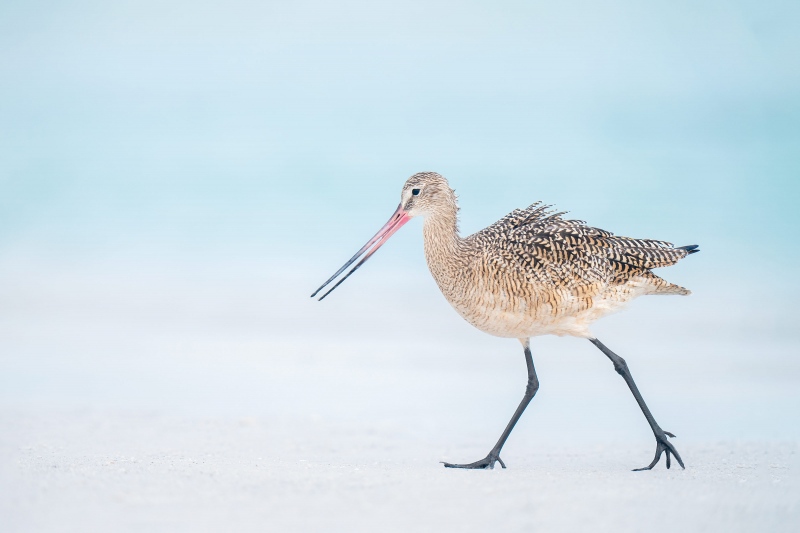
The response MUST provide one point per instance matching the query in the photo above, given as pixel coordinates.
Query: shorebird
(530, 273)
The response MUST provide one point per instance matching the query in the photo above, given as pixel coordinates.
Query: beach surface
(103, 471)
(167, 401)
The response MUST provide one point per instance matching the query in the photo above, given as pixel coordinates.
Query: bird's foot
(485, 463)
(663, 446)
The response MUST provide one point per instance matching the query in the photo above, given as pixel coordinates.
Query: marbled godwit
(530, 273)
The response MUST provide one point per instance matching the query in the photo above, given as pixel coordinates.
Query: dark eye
(415, 192)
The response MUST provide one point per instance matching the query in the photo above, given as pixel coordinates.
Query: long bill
(396, 221)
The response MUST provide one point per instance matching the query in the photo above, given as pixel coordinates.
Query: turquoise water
(209, 124)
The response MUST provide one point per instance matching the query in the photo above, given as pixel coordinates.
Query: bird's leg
(530, 392)
(662, 443)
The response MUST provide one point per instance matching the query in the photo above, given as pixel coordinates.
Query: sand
(174, 402)
(94, 471)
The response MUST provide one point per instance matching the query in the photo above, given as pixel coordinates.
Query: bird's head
(426, 193)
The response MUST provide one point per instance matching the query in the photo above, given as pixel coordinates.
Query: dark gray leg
(530, 392)
(662, 444)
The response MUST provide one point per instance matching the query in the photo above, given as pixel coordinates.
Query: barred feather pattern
(534, 272)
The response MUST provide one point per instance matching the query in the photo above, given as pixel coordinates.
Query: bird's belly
(517, 317)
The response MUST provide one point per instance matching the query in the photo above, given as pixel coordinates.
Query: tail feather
(659, 285)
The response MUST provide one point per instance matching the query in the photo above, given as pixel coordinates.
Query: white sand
(167, 401)
(127, 472)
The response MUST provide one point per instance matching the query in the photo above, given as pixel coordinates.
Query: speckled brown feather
(533, 272)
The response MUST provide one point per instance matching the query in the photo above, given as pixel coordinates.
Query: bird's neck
(442, 243)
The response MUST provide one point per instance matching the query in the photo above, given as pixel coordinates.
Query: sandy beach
(137, 472)
(158, 409)
(176, 178)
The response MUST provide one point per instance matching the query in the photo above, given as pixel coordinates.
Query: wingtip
(690, 248)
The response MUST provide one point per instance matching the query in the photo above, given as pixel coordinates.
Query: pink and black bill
(397, 220)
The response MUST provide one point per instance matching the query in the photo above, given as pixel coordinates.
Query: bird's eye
(415, 192)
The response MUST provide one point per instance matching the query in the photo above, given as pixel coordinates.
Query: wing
(569, 254)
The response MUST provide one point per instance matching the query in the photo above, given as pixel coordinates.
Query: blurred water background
(177, 177)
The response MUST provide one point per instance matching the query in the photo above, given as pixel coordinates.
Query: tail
(662, 286)
(659, 285)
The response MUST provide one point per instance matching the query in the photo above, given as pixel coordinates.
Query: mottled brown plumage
(533, 272)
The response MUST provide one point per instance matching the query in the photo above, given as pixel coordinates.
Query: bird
(531, 273)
